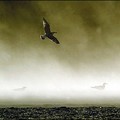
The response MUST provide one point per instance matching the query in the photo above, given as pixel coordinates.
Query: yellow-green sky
(89, 53)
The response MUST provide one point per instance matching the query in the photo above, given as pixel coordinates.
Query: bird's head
(104, 84)
(42, 37)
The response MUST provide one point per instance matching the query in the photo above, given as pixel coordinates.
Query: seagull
(20, 89)
(100, 87)
(48, 32)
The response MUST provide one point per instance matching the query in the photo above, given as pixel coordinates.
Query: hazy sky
(89, 53)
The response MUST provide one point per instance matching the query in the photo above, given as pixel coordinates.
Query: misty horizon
(87, 56)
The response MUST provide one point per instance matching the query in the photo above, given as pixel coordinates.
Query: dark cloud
(88, 31)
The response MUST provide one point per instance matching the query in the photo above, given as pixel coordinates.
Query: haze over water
(88, 55)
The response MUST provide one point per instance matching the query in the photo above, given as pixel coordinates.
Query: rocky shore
(38, 113)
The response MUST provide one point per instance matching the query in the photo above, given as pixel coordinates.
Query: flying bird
(48, 32)
(100, 87)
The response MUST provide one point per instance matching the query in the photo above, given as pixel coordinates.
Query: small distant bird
(20, 89)
(100, 87)
(48, 32)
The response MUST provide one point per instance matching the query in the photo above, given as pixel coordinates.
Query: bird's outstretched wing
(54, 39)
(46, 26)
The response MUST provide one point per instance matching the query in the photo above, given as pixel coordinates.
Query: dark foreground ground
(38, 113)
